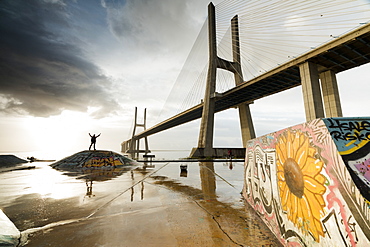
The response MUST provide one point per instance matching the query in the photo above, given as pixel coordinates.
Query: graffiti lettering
(352, 226)
(259, 174)
(349, 130)
(331, 220)
(349, 126)
(100, 162)
(265, 193)
(287, 234)
(349, 136)
(355, 197)
(265, 183)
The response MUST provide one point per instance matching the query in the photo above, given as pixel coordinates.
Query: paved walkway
(155, 206)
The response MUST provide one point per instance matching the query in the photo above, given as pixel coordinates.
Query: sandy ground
(156, 205)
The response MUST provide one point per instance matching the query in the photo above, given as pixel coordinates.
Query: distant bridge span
(343, 53)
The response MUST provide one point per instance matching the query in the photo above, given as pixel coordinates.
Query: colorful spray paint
(310, 183)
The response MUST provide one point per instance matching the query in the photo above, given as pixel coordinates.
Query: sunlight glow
(50, 184)
(58, 132)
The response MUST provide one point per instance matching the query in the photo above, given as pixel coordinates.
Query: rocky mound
(97, 159)
(10, 160)
(97, 165)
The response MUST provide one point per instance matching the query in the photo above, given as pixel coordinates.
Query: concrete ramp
(310, 183)
(9, 234)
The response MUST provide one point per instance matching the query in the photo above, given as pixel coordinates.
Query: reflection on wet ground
(198, 204)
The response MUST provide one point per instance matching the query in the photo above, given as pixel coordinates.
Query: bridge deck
(343, 53)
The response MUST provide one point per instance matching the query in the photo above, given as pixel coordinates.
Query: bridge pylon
(320, 92)
(132, 146)
(205, 141)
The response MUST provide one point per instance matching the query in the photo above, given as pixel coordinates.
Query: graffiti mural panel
(302, 184)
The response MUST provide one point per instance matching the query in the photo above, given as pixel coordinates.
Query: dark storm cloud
(43, 69)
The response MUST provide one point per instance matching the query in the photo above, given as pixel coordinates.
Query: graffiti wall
(103, 162)
(309, 183)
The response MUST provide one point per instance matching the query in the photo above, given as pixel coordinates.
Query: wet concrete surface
(156, 205)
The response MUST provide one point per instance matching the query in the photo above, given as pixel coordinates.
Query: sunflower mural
(300, 182)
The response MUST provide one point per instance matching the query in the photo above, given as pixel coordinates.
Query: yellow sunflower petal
(302, 154)
(280, 176)
(319, 228)
(281, 184)
(316, 229)
(283, 188)
(285, 197)
(312, 185)
(311, 151)
(307, 216)
(279, 165)
(312, 228)
(295, 145)
(289, 145)
(315, 206)
(280, 154)
(299, 210)
(312, 167)
(320, 178)
(320, 199)
(290, 204)
(294, 207)
(303, 138)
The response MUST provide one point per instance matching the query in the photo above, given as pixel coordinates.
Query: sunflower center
(294, 177)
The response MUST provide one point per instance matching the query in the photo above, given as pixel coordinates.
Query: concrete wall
(304, 182)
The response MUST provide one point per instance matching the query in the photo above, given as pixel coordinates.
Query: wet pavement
(155, 204)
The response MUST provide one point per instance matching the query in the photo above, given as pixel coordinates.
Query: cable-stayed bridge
(266, 47)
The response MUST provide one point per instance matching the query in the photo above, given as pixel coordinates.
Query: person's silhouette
(93, 140)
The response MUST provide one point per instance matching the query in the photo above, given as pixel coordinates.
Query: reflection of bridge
(314, 70)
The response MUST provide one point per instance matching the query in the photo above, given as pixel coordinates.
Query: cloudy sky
(70, 67)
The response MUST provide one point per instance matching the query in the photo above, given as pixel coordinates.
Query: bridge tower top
(133, 145)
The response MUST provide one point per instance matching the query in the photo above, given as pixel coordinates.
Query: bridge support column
(245, 116)
(246, 123)
(330, 94)
(132, 149)
(205, 140)
(125, 146)
(311, 91)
